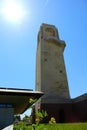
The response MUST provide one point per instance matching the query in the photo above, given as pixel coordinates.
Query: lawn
(57, 126)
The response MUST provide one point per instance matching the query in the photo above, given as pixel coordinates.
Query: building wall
(66, 112)
(61, 112)
(6, 117)
(81, 110)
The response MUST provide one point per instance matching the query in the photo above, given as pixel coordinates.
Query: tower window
(45, 59)
(61, 71)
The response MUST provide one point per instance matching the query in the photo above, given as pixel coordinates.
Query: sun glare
(12, 11)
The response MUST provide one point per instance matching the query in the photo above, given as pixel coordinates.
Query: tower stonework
(51, 79)
(50, 68)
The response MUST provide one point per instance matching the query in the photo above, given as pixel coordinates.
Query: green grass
(66, 126)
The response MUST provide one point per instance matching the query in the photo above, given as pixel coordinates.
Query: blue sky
(18, 42)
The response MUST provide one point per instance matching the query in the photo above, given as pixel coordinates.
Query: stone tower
(50, 68)
(51, 79)
(50, 71)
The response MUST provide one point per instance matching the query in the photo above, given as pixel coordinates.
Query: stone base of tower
(74, 111)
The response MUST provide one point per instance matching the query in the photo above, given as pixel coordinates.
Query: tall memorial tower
(51, 75)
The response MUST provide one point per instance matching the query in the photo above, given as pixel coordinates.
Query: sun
(12, 11)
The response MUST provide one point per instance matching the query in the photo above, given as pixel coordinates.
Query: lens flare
(12, 11)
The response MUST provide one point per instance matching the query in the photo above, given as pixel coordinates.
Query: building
(14, 101)
(51, 78)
